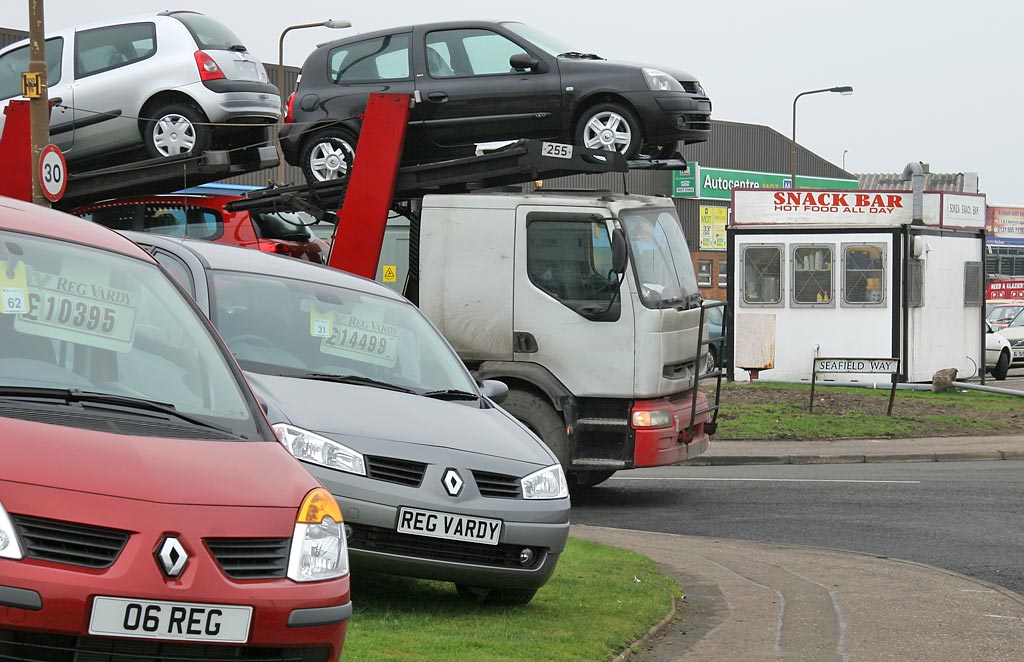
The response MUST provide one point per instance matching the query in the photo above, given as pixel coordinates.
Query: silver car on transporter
(434, 479)
(174, 83)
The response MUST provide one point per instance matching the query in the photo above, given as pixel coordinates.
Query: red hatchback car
(199, 213)
(147, 510)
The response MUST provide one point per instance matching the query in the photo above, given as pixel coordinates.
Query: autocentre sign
(844, 207)
(698, 181)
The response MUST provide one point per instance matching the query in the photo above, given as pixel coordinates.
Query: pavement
(745, 602)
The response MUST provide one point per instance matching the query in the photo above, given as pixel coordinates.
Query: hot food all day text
(832, 201)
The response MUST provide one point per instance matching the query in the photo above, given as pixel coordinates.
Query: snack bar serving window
(863, 274)
(762, 275)
(813, 283)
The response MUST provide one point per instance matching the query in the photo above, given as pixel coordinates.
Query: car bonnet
(169, 471)
(356, 415)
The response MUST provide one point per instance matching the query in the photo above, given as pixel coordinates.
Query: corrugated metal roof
(960, 182)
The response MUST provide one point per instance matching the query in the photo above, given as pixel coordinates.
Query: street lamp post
(842, 89)
(329, 23)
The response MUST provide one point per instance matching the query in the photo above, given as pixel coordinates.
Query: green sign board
(706, 183)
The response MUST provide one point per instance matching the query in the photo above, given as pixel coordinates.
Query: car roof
(164, 198)
(236, 258)
(443, 25)
(21, 216)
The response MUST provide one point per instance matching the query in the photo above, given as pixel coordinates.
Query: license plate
(557, 150)
(1018, 354)
(157, 619)
(246, 69)
(449, 526)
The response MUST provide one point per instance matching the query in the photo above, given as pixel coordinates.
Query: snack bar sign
(819, 207)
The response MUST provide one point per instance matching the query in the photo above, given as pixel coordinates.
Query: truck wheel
(175, 129)
(542, 419)
(327, 155)
(1002, 366)
(610, 126)
(508, 597)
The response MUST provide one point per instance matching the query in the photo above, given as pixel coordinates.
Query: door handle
(439, 97)
(523, 342)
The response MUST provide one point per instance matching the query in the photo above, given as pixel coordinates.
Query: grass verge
(780, 411)
(598, 601)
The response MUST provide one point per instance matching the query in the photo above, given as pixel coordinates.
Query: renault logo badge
(171, 557)
(452, 482)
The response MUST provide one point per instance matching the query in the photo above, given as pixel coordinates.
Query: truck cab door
(570, 313)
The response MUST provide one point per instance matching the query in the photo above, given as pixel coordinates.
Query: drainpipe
(914, 173)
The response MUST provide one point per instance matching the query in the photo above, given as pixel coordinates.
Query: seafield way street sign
(856, 366)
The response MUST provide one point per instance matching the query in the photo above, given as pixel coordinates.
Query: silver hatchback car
(178, 82)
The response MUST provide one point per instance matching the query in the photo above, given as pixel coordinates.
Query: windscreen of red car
(105, 331)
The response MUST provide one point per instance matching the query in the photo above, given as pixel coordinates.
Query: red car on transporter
(147, 510)
(199, 213)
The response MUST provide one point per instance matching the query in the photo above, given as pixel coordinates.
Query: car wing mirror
(523, 62)
(618, 251)
(494, 390)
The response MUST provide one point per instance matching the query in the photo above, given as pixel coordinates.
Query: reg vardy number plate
(182, 621)
(449, 526)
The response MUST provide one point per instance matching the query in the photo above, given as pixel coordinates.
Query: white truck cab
(586, 304)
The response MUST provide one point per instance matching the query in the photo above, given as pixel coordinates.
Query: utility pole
(39, 106)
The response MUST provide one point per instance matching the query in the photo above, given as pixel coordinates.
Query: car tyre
(507, 597)
(176, 129)
(327, 155)
(1002, 366)
(610, 126)
(543, 420)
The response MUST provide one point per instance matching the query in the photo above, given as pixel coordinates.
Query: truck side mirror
(522, 62)
(618, 251)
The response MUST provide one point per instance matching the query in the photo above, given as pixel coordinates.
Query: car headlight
(661, 81)
(9, 546)
(318, 549)
(548, 483)
(656, 418)
(311, 447)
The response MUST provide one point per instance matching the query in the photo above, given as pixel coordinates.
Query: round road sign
(53, 173)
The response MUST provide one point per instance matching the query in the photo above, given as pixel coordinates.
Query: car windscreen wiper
(353, 379)
(450, 394)
(71, 395)
(577, 55)
(237, 47)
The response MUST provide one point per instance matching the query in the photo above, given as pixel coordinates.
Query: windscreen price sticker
(13, 289)
(363, 340)
(79, 312)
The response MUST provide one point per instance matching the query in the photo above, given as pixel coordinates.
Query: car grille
(497, 485)
(66, 542)
(692, 86)
(23, 646)
(391, 470)
(385, 541)
(251, 558)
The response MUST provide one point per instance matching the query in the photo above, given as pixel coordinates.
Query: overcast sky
(936, 81)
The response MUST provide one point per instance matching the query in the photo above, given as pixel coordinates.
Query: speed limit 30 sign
(53, 173)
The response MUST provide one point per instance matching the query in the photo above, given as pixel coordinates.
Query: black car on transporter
(479, 81)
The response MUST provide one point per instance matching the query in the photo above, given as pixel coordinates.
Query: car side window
(13, 64)
(181, 221)
(384, 58)
(178, 269)
(469, 52)
(102, 49)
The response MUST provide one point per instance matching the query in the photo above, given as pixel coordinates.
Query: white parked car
(175, 83)
(1014, 333)
(998, 352)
